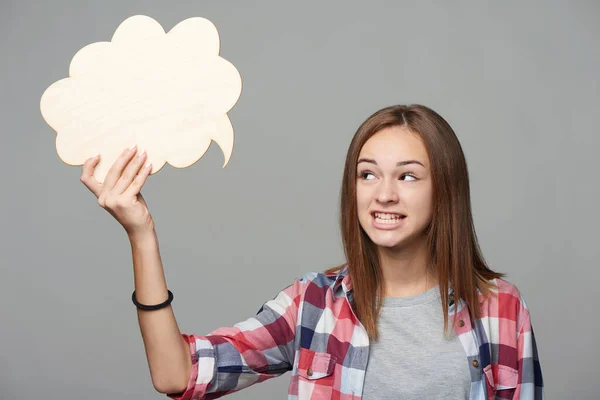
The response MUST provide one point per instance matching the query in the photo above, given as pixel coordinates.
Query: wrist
(143, 238)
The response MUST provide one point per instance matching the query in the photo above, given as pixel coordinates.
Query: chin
(386, 241)
(390, 245)
(395, 240)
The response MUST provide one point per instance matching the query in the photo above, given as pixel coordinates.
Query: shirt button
(475, 363)
(309, 371)
(461, 323)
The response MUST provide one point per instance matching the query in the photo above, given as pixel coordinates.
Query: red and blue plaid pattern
(311, 330)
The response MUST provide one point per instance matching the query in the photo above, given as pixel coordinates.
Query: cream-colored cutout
(168, 93)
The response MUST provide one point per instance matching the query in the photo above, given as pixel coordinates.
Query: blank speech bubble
(168, 93)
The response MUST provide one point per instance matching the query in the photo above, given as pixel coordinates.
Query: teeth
(384, 216)
(391, 221)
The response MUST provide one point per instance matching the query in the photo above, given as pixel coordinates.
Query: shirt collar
(342, 284)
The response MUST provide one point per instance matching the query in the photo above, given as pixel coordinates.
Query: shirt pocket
(314, 365)
(501, 381)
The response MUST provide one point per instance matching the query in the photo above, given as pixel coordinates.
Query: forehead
(395, 144)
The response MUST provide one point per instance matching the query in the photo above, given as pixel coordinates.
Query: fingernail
(132, 147)
(148, 165)
(141, 154)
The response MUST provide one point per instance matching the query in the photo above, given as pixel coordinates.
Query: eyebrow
(398, 164)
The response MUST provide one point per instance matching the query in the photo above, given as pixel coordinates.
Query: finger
(87, 175)
(131, 170)
(138, 182)
(115, 171)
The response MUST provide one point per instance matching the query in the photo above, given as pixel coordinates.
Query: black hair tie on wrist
(152, 307)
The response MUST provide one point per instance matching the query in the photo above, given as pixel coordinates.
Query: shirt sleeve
(530, 382)
(233, 358)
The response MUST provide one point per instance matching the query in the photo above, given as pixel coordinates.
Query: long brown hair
(454, 250)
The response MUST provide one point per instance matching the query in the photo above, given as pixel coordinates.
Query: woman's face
(394, 188)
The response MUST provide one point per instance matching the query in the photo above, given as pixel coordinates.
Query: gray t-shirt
(412, 359)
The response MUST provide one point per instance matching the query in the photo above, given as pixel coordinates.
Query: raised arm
(167, 352)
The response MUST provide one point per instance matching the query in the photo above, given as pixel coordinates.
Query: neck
(406, 271)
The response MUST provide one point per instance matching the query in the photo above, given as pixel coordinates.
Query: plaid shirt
(311, 330)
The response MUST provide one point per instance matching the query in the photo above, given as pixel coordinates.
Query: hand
(119, 194)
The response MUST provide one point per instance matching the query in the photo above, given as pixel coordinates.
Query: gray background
(518, 82)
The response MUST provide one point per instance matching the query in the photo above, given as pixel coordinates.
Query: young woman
(414, 313)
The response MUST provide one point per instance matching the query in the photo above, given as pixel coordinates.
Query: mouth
(387, 219)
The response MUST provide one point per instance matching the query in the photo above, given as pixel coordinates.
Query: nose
(387, 192)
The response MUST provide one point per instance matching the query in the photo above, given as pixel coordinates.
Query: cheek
(362, 198)
(424, 205)
(363, 202)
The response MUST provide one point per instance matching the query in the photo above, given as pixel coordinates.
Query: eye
(365, 175)
(408, 175)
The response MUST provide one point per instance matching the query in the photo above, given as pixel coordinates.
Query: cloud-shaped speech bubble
(169, 93)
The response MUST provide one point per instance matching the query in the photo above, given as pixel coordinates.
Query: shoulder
(505, 301)
(313, 285)
(323, 279)
(506, 288)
